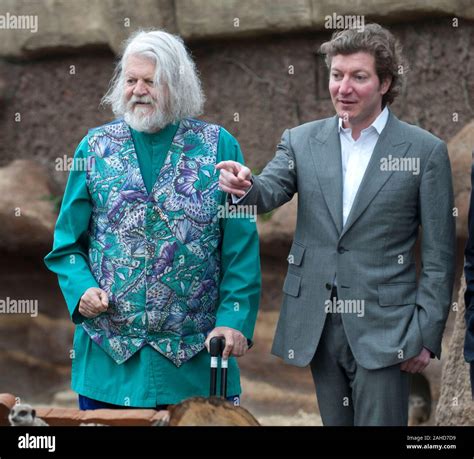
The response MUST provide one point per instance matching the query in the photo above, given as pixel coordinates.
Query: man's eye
(149, 82)
(360, 77)
(335, 76)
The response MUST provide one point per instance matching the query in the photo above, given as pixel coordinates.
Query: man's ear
(386, 85)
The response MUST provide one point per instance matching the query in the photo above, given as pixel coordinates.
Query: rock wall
(50, 103)
(456, 407)
(63, 24)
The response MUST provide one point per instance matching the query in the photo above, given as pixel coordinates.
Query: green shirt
(148, 378)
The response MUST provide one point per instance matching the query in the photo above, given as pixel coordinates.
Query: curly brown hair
(380, 43)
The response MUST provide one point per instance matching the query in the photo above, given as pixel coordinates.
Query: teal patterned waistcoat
(157, 255)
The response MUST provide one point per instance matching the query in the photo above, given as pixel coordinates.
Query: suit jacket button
(328, 286)
(341, 249)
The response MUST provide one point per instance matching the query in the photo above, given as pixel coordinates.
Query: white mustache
(144, 99)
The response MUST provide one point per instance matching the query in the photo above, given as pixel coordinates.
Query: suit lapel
(390, 142)
(326, 154)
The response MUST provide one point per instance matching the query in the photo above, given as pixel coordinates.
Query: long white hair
(174, 69)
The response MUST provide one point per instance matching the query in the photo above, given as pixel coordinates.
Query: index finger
(229, 166)
(244, 173)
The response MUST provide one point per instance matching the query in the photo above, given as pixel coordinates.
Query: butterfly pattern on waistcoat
(155, 254)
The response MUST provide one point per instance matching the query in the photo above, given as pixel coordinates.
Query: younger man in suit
(367, 182)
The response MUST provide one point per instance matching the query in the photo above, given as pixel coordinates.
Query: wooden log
(74, 417)
(213, 411)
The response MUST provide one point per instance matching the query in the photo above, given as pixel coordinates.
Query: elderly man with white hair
(149, 269)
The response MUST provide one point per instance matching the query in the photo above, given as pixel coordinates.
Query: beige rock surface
(460, 149)
(455, 406)
(217, 18)
(63, 24)
(26, 210)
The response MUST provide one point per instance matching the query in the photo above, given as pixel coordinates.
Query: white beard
(152, 122)
(137, 118)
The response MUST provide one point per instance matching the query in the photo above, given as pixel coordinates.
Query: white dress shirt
(355, 155)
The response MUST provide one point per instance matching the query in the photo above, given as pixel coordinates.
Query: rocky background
(261, 74)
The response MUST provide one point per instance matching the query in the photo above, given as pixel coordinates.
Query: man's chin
(345, 115)
(143, 110)
(143, 122)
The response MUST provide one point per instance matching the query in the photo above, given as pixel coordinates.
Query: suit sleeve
(240, 283)
(438, 248)
(69, 259)
(276, 185)
(469, 274)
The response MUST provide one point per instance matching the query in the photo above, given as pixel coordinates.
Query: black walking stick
(224, 365)
(216, 348)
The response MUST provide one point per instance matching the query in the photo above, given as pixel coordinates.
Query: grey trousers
(349, 395)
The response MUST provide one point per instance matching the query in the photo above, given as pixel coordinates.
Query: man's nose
(345, 86)
(140, 88)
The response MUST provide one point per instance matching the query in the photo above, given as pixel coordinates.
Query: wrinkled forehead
(139, 66)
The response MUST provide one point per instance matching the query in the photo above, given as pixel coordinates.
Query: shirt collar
(153, 137)
(378, 124)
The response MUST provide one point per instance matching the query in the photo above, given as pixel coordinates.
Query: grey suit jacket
(373, 254)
